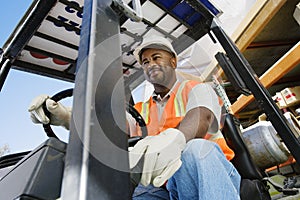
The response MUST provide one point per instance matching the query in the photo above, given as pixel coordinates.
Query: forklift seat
(252, 185)
(35, 174)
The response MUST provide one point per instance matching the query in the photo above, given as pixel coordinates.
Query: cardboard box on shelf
(291, 95)
(296, 14)
(280, 102)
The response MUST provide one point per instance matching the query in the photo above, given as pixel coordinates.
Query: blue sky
(16, 129)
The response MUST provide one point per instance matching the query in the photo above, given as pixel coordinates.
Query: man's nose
(152, 62)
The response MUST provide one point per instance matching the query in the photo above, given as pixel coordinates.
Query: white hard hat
(154, 42)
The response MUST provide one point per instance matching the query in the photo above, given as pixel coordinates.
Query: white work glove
(162, 155)
(59, 114)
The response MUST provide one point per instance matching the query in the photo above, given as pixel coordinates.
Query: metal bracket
(134, 14)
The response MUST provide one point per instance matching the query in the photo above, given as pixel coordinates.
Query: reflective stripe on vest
(178, 101)
(145, 111)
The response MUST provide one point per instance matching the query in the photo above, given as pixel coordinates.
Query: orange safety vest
(173, 114)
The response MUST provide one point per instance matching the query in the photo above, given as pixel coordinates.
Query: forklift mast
(97, 164)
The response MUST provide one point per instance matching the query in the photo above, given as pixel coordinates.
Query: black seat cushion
(253, 187)
(254, 190)
(242, 160)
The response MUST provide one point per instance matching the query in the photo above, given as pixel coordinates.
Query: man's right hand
(59, 114)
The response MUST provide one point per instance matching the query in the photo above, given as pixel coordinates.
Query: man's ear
(173, 62)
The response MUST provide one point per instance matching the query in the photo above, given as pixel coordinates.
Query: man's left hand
(162, 155)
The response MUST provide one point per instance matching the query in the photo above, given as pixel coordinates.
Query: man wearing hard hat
(178, 115)
(180, 161)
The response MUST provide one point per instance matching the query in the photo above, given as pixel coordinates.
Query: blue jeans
(205, 174)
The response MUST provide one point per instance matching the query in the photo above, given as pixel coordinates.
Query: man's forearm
(196, 123)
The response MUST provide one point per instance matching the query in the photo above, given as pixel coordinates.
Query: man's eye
(145, 62)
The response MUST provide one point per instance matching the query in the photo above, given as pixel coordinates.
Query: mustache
(154, 67)
(157, 66)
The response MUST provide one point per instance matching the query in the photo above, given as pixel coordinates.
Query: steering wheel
(135, 177)
(130, 109)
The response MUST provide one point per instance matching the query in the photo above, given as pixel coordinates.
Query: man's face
(159, 66)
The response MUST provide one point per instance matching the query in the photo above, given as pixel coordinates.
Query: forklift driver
(183, 157)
